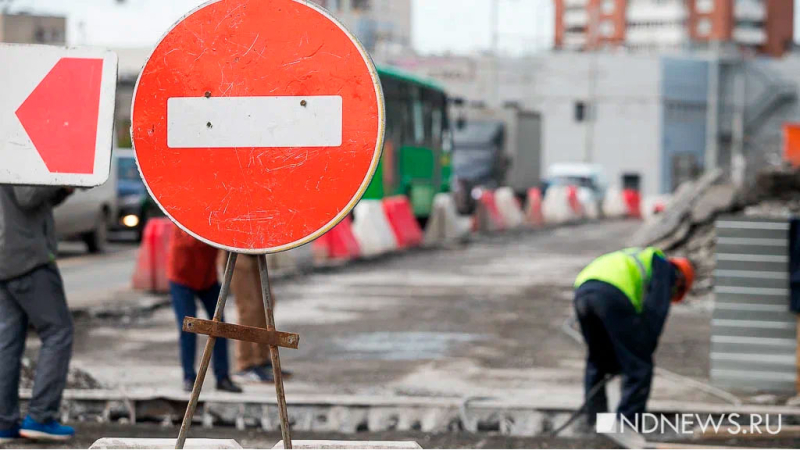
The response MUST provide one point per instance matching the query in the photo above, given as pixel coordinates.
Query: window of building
(362, 4)
(608, 6)
(607, 28)
(704, 6)
(580, 112)
(703, 27)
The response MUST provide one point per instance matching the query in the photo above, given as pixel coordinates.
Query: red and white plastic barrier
(508, 207)
(561, 205)
(614, 206)
(633, 200)
(151, 266)
(589, 205)
(337, 244)
(372, 230)
(487, 215)
(533, 209)
(400, 214)
(619, 204)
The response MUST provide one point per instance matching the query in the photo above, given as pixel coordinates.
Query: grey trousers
(36, 298)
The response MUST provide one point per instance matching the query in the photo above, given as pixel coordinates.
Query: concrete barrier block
(444, 224)
(509, 207)
(139, 443)
(355, 445)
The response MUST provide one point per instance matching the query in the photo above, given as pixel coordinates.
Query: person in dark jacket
(32, 293)
(622, 300)
(192, 273)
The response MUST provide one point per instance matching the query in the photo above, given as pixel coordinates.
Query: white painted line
(223, 122)
(754, 225)
(751, 307)
(751, 291)
(751, 274)
(752, 258)
(746, 340)
(753, 241)
(753, 375)
(770, 325)
(787, 360)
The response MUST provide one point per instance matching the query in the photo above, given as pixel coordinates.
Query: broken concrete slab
(139, 443)
(677, 210)
(717, 199)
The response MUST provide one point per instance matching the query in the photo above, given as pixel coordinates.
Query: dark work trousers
(619, 343)
(184, 304)
(36, 298)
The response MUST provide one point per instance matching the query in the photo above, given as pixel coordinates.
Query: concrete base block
(135, 443)
(355, 445)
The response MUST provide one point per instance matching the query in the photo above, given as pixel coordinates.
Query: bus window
(418, 116)
(435, 118)
(398, 125)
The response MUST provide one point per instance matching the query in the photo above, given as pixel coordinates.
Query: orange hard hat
(684, 285)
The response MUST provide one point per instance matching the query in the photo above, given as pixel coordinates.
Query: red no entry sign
(257, 125)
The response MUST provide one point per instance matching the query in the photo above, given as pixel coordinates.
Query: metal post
(201, 374)
(712, 130)
(266, 296)
(738, 161)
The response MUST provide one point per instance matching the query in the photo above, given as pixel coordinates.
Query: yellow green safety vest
(628, 270)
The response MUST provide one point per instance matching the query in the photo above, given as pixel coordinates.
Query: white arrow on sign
(224, 122)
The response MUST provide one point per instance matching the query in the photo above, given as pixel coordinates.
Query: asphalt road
(482, 320)
(91, 280)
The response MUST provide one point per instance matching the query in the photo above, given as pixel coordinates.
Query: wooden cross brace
(241, 333)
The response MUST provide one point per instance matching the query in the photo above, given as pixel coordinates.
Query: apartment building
(760, 26)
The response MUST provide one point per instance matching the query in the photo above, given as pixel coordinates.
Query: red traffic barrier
(574, 202)
(404, 224)
(633, 201)
(339, 242)
(487, 216)
(533, 211)
(151, 266)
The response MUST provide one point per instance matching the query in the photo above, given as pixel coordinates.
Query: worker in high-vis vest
(622, 301)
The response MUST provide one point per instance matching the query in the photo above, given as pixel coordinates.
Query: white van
(87, 214)
(590, 176)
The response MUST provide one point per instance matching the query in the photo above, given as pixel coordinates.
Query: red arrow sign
(60, 116)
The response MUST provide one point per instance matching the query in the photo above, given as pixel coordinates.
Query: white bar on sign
(222, 122)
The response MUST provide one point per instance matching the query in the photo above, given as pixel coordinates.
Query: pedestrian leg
(41, 295)
(13, 330)
(220, 360)
(183, 303)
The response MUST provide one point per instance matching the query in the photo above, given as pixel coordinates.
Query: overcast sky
(457, 26)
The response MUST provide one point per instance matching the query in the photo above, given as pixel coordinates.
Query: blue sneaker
(50, 431)
(9, 435)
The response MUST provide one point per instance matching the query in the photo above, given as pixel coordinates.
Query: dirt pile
(686, 227)
(77, 378)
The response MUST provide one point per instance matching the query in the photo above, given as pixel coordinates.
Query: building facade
(29, 29)
(761, 26)
(383, 26)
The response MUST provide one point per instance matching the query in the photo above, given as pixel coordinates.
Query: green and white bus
(416, 154)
